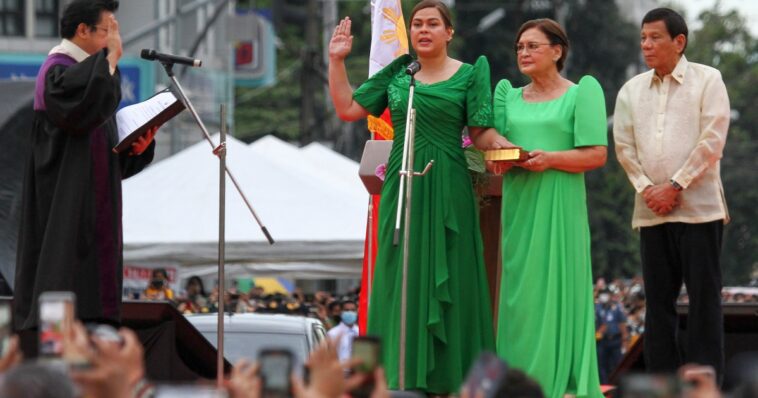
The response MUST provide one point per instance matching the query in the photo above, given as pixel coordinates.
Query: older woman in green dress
(546, 313)
(449, 320)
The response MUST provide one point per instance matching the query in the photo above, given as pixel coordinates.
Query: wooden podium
(489, 220)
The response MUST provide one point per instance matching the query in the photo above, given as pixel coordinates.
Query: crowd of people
(112, 366)
(194, 298)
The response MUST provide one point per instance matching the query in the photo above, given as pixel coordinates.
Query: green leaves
(474, 159)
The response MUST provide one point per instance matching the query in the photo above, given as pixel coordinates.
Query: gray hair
(37, 380)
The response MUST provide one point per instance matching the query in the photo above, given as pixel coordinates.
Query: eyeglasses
(529, 47)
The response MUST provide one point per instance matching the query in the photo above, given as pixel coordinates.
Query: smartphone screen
(276, 368)
(368, 350)
(5, 326)
(56, 315)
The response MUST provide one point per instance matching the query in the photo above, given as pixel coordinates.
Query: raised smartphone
(368, 349)
(56, 317)
(5, 326)
(276, 369)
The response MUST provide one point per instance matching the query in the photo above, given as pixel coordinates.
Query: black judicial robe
(70, 234)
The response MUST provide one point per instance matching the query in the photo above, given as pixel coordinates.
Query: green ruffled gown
(449, 318)
(546, 323)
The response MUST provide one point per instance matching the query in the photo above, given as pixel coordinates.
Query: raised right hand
(342, 42)
(113, 42)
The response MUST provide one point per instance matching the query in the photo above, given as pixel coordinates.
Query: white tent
(313, 208)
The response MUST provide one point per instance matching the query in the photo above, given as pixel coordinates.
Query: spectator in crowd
(610, 332)
(334, 309)
(158, 288)
(195, 299)
(518, 384)
(635, 320)
(37, 380)
(346, 330)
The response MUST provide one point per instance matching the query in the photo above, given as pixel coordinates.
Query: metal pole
(407, 174)
(221, 153)
(188, 104)
(404, 164)
(410, 130)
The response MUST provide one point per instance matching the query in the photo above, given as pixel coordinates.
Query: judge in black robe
(70, 234)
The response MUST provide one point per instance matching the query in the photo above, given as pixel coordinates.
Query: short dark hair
(555, 34)
(675, 24)
(86, 12)
(518, 384)
(158, 271)
(440, 6)
(344, 302)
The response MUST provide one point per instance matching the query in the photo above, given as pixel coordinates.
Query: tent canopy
(310, 199)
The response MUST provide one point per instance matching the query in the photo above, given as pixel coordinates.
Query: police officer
(610, 333)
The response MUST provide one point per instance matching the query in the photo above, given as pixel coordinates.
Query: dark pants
(673, 253)
(608, 356)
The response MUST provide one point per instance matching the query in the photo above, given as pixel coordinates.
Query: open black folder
(134, 120)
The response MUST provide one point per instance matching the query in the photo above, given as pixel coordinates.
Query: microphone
(413, 68)
(153, 55)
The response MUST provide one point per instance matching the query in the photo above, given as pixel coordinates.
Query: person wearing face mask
(334, 310)
(610, 333)
(346, 330)
(449, 316)
(159, 288)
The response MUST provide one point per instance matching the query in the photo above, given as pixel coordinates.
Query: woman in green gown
(449, 319)
(546, 319)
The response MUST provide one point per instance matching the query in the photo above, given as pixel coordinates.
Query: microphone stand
(220, 152)
(168, 66)
(406, 178)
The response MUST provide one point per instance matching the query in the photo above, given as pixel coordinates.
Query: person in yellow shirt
(159, 288)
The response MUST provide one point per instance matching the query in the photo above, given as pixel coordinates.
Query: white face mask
(604, 298)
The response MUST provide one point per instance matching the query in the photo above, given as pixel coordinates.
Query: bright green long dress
(449, 319)
(546, 323)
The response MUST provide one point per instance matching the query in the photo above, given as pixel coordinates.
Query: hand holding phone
(366, 350)
(56, 317)
(5, 326)
(276, 371)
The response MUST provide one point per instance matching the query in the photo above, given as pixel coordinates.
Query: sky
(747, 8)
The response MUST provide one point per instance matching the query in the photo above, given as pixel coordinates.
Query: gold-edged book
(506, 155)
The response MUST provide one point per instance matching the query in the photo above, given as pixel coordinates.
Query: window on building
(11, 17)
(46, 18)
